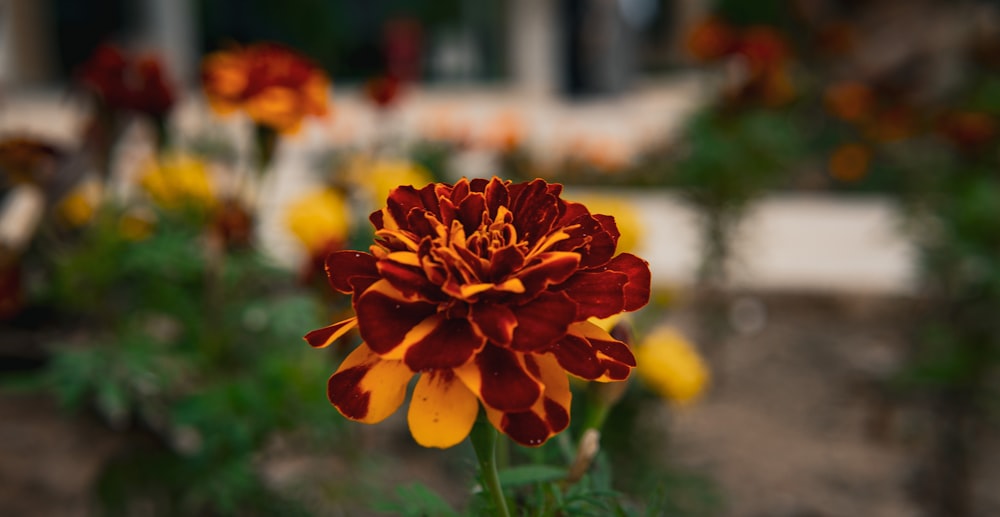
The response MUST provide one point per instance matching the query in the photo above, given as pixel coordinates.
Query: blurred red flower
(121, 82)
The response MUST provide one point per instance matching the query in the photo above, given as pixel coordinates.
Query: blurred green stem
(484, 441)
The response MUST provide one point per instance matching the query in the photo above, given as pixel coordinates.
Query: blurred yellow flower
(136, 225)
(177, 181)
(318, 219)
(670, 365)
(79, 206)
(377, 178)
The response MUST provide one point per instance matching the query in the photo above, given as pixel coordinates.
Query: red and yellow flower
(484, 289)
(274, 85)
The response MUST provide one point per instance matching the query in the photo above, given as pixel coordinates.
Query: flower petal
(498, 377)
(325, 336)
(637, 288)
(548, 416)
(385, 316)
(368, 388)
(591, 353)
(442, 410)
(403, 270)
(598, 294)
(448, 343)
(542, 321)
(548, 269)
(342, 266)
(494, 322)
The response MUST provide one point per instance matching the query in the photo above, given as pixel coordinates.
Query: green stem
(484, 441)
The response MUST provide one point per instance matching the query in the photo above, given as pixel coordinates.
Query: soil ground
(796, 424)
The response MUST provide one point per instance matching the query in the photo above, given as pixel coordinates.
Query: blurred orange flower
(710, 39)
(893, 124)
(851, 101)
(969, 130)
(26, 159)
(849, 162)
(274, 85)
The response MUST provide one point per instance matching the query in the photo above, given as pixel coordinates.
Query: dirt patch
(796, 424)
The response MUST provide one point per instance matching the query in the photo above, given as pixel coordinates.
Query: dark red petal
(571, 210)
(479, 184)
(525, 428)
(535, 210)
(460, 191)
(377, 219)
(637, 288)
(504, 262)
(593, 236)
(383, 320)
(505, 385)
(342, 266)
(556, 416)
(597, 294)
(449, 345)
(590, 353)
(326, 336)
(550, 268)
(496, 195)
(616, 350)
(542, 321)
(471, 211)
(577, 357)
(401, 201)
(344, 391)
(420, 222)
(496, 322)
(411, 281)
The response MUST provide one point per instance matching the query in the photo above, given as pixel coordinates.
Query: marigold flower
(969, 130)
(276, 86)
(177, 181)
(78, 207)
(25, 159)
(484, 289)
(320, 220)
(627, 219)
(232, 223)
(710, 39)
(122, 82)
(383, 91)
(849, 162)
(851, 101)
(671, 366)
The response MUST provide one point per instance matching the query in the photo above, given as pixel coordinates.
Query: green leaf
(528, 474)
(415, 500)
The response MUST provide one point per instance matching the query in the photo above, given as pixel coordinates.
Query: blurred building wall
(535, 55)
(26, 55)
